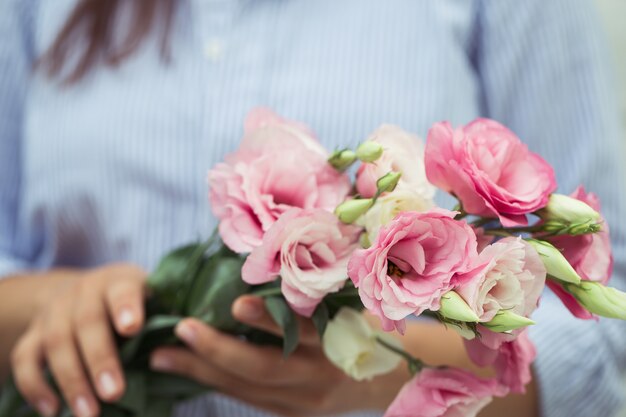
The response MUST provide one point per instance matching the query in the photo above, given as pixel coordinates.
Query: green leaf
(169, 386)
(134, 398)
(175, 273)
(11, 400)
(286, 319)
(158, 330)
(320, 318)
(159, 407)
(217, 285)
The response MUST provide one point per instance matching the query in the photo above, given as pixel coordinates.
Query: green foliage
(286, 319)
(201, 280)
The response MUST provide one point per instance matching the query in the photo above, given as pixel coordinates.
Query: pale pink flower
(489, 169)
(411, 264)
(509, 275)
(511, 361)
(309, 251)
(447, 392)
(279, 165)
(403, 153)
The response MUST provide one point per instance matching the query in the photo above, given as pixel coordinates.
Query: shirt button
(214, 49)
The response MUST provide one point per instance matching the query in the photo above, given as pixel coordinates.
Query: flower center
(394, 270)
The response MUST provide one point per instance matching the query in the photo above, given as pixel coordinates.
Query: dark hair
(92, 23)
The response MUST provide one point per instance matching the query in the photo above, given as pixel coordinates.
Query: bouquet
(296, 228)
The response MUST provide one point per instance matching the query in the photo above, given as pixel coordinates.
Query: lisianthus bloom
(489, 169)
(389, 206)
(509, 275)
(411, 264)
(350, 343)
(590, 255)
(309, 250)
(444, 393)
(403, 153)
(279, 165)
(511, 361)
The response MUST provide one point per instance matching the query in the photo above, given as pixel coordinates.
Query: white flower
(389, 206)
(350, 344)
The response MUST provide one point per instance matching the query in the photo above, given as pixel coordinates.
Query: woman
(105, 145)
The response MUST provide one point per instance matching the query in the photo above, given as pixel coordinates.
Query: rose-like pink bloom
(412, 264)
(590, 255)
(511, 361)
(444, 393)
(309, 250)
(509, 276)
(402, 152)
(278, 165)
(489, 169)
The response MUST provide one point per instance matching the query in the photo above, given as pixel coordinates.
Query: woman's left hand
(304, 384)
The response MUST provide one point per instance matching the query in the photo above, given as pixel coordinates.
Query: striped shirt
(113, 168)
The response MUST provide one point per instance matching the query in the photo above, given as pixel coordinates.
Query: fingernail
(108, 386)
(82, 407)
(248, 311)
(45, 408)
(186, 332)
(126, 318)
(161, 363)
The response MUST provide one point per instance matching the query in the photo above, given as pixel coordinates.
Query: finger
(95, 340)
(187, 364)
(238, 357)
(251, 310)
(65, 364)
(124, 301)
(27, 362)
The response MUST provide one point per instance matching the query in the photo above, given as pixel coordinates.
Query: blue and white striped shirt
(113, 168)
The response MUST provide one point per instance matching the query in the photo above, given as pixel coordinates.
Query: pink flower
(402, 152)
(590, 255)
(279, 165)
(309, 250)
(510, 276)
(511, 361)
(489, 169)
(411, 264)
(444, 393)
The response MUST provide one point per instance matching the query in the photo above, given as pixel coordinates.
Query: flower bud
(568, 210)
(341, 160)
(388, 182)
(598, 299)
(350, 344)
(505, 321)
(369, 151)
(556, 265)
(350, 210)
(454, 307)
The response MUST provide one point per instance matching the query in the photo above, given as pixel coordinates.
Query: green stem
(267, 292)
(415, 365)
(513, 230)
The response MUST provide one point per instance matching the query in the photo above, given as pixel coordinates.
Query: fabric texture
(113, 168)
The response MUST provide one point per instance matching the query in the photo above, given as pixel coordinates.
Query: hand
(305, 384)
(73, 336)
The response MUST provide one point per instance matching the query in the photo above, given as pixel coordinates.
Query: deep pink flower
(309, 250)
(489, 169)
(278, 165)
(412, 264)
(590, 255)
(444, 393)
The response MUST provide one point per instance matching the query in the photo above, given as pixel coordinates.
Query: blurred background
(613, 12)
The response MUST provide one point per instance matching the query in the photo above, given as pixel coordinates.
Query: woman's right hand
(73, 336)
